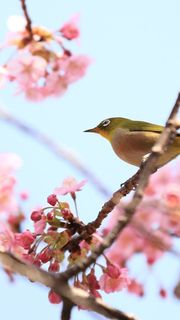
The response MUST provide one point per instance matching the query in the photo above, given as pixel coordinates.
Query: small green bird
(132, 140)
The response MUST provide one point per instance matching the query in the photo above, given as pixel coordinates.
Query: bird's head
(106, 127)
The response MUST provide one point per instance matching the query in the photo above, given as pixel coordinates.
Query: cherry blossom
(111, 284)
(69, 185)
(38, 69)
(135, 287)
(26, 68)
(70, 29)
(24, 239)
(8, 202)
(6, 237)
(39, 226)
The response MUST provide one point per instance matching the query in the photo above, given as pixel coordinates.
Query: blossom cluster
(47, 245)
(42, 66)
(50, 244)
(10, 213)
(154, 228)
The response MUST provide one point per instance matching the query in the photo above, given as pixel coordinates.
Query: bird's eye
(106, 122)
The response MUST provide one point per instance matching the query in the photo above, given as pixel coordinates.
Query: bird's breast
(132, 146)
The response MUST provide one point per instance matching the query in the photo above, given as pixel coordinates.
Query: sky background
(135, 73)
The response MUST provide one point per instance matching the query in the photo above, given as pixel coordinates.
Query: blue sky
(135, 73)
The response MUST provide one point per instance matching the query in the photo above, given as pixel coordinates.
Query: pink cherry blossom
(135, 287)
(37, 67)
(8, 202)
(113, 271)
(76, 68)
(40, 225)
(24, 239)
(70, 29)
(56, 84)
(109, 284)
(26, 68)
(125, 246)
(69, 185)
(6, 237)
(92, 282)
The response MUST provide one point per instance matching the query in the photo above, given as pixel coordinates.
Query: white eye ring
(106, 122)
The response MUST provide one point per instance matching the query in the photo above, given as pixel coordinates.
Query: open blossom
(26, 68)
(111, 284)
(24, 239)
(8, 164)
(40, 225)
(135, 287)
(6, 237)
(69, 185)
(76, 68)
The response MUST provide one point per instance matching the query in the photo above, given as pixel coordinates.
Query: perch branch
(167, 137)
(76, 296)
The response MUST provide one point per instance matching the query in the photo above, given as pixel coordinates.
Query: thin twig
(59, 151)
(148, 168)
(28, 20)
(75, 295)
(66, 309)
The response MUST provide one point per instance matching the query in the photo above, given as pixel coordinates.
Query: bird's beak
(95, 130)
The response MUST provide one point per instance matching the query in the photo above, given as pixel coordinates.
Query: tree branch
(28, 20)
(66, 310)
(108, 206)
(167, 137)
(76, 296)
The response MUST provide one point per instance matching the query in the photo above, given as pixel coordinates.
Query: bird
(133, 140)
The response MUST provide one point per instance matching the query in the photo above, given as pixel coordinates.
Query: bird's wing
(145, 126)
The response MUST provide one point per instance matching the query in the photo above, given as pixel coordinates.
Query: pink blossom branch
(58, 150)
(76, 296)
(167, 137)
(155, 240)
(28, 20)
(91, 227)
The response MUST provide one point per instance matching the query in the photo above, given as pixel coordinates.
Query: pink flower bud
(113, 271)
(45, 255)
(163, 293)
(54, 267)
(36, 215)
(70, 30)
(52, 199)
(67, 215)
(54, 297)
(50, 216)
